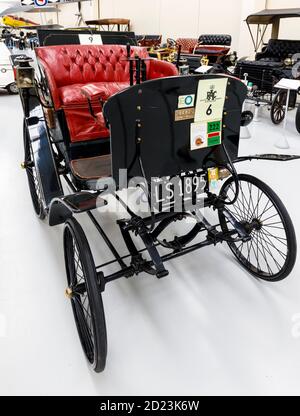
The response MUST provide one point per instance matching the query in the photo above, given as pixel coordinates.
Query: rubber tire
(298, 120)
(286, 220)
(11, 89)
(94, 295)
(274, 104)
(36, 202)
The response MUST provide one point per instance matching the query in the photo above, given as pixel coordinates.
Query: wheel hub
(253, 225)
(69, 293)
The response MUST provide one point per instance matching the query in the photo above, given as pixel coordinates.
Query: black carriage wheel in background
(84, 293)
(33, 179)
(278, 107)
(298, 120)
(271, 253)
(12, 88)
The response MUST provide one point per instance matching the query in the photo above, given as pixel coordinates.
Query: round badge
(188, 100)
(199, 141)
(40, 3)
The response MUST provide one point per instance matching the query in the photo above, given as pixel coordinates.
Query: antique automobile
(104, 119)
(207, 50)
(165, 52)
(110, 24)
(149, 41)
(275, 61)
(7, 78)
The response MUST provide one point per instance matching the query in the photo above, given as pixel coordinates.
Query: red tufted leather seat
(104, 67)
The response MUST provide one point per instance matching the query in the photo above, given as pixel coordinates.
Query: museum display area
(149, 217)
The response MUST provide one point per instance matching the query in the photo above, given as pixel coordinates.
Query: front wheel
(271, 252)
(85, 295)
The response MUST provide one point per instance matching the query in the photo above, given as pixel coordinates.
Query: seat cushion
(215, 40)
(82, 126)
(187, 44)
(81, 64)
(212, 50)
(72, 94)
(91, 167)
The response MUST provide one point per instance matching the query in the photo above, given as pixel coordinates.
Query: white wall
(289, 28)
(176, 18)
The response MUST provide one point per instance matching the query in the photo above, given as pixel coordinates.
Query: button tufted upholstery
(224, 40)
(187, 44)
(279, 49)
(68, 68)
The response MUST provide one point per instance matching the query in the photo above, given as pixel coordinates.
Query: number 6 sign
(210, 99)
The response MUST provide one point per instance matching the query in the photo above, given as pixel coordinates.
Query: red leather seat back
(69, 67)
(81, 64)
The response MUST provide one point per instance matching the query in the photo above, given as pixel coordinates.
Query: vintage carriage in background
(276, 60)
(91, 112)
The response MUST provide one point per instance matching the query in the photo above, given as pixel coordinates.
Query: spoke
(266, 209)
(274, 223)
(251, 201)
(261, 249)
(281, 240)
(276, 228)
(257, 204)
(269, 218)
(235, 214)
(253, 248)
(85, 330)
(283, 255)
(257, 256)
(238, 207)
(267, 247)
(245, 207)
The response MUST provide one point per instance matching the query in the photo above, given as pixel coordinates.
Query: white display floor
(207, 329)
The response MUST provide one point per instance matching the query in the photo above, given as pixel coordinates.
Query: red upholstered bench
(102, 67)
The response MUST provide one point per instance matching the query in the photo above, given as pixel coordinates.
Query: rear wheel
(278, 107)
(271, 252)
(32, 176)
(85, 295)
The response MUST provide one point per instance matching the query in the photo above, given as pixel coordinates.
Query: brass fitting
(69, 293)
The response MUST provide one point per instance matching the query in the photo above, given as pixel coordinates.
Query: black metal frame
(51, 153)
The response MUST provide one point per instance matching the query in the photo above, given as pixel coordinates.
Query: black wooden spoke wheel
(84, 292)
(32, 176)
(278, 107)
(271, 252)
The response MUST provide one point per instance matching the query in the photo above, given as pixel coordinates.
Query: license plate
(178, 192)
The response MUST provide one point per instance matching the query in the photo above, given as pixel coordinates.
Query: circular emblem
(199, 141)
(188, 100)
(40, 3)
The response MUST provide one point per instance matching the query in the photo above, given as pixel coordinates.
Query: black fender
(65, 207)
(44, 161)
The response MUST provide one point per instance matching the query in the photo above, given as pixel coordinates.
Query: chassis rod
(168, 257)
